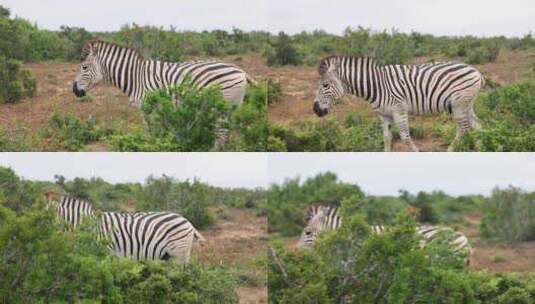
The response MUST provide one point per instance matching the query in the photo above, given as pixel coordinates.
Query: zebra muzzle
(78, 93)
(318, 110)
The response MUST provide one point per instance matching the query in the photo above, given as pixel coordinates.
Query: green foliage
(509, 216)
(71, 133)
(283, 52)
(387, 268)
(190, 199)
(356, 266)
(508, 119)
(15, 83)
(249, 124)
(191, 125)
(15, 193)
(288, 201)
(356, 133)
(77, 38)
(274, 91)
(82, 270)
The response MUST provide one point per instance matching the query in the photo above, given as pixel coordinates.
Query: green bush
(356, 133)
(249, 124)
(508, 119)
(509, 216)
(386, 268)
(283, 52)
(189, 199)
(274, 91)
(82, 270)
(356, 266)
(190, 126)
(15, 83)
(287, 202)
(71, 133)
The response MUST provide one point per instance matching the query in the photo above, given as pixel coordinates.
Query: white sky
(448, 17)
(375, 173)
(385, 174)
(218, 169)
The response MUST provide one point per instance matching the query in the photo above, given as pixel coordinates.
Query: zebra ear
(323, 67)
(86, 50)
(326, 66)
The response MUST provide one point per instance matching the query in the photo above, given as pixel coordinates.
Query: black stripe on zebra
(394, 91)
(72, 209)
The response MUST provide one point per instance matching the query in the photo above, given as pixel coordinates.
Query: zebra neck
(364, 79)
(124, 71)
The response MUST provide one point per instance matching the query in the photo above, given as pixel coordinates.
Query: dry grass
(239, 241)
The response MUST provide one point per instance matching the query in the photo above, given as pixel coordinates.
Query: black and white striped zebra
(394, 91)
(71, 209)
(141, 235)
(322, 218)
(149, 235)
(136, 76)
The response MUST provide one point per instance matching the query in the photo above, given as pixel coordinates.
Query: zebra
(322, 218)
(150, 235)
(139, 235)
(394, 91)
(136, 76)
(70, 209)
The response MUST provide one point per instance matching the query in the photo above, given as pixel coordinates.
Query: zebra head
(90, 73)
(330, 87)
(314, 217)
(51, 200)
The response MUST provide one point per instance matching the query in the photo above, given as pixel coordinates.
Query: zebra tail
(250, 80)
(198, 237)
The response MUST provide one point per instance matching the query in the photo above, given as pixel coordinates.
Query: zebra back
(149, 235)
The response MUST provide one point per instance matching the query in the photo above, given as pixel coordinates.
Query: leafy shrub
(508, 119)
(283, 52)
(274, 91)
(82, 270)
(287, 202)
(189, 199)
(15, 83)
(356, 133)
(387, 268)
(249, 124)
(71, 133)
(357, 266)
(509, 216)
(190, 126)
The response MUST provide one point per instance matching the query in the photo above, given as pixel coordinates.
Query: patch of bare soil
(238, 240)
(299, 84)
(54, 92)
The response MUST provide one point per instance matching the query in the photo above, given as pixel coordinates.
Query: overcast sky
(445, 17)
(218, 169)
(385, 174)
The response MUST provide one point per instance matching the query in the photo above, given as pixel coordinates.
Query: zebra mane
(316, 208)
(96, 44)
(328, 61)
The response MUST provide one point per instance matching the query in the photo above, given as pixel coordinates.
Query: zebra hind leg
(221, 135)
(387, 132)
(401, 119)
(464, 119)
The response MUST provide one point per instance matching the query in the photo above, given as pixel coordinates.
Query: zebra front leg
(387, 132)
(401, 119)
